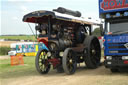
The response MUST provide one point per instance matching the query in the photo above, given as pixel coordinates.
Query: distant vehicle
(115, 13)
(25, 48)
(13, 47)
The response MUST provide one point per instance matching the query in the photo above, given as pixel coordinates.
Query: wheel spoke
(70, 61)
(94, 53)
(69, 66)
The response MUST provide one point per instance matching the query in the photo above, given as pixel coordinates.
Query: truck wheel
(92, 53)
(41, 62)
(69, 62)
(114, 70)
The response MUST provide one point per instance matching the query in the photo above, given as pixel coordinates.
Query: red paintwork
(44, 40)
(54, 62)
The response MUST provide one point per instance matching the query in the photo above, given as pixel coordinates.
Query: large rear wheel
(69, 62)
(92, 53)
(41, 62)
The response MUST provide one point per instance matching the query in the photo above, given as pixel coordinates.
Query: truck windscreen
(117, 26)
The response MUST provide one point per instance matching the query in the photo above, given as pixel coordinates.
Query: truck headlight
(109, 57)
(124, 57)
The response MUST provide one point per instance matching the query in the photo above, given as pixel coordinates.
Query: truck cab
(115, 14)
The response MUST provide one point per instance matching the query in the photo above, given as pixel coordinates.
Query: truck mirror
(101, 30)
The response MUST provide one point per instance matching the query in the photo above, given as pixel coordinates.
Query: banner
(28, 48)
(106, 6)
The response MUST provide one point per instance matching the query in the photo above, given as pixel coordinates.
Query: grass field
(8, 71)
(16, 37)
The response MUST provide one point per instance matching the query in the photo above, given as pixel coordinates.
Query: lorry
(68, 38)
(115, 14)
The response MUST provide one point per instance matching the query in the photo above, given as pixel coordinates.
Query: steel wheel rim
(70, 61)
(43, 61)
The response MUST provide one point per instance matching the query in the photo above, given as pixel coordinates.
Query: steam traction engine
(68, 39)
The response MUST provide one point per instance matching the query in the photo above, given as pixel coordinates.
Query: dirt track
(6, 43)
(4, 57)
(83, 76)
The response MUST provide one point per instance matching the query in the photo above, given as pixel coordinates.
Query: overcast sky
(12, 12)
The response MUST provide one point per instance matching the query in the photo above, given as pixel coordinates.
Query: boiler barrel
(67, 11)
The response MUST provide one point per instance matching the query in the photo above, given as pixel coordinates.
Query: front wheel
(69, 62)
(41, 62)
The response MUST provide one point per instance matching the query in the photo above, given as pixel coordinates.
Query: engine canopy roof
(35, 16)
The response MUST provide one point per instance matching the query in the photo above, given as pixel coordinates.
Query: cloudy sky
(12, 12)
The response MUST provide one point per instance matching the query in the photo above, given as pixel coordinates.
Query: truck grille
(116, 44)
(120, 47)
